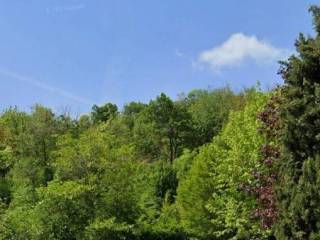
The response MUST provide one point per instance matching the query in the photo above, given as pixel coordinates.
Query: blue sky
(74, 53)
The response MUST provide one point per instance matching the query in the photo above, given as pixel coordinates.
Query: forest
(213, 164)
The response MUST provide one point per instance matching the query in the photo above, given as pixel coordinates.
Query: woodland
(213, 164)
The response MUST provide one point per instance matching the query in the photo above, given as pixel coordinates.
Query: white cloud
(237, 49)
(45, 87)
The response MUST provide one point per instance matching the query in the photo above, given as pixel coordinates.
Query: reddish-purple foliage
(266, 177)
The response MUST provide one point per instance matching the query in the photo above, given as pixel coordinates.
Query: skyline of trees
(211, 165)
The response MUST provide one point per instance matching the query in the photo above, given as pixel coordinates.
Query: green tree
(210, 200)
(131, 112)
(31, 139)
(162, 129)
(63, 210)
(6, 162)
(210, 111)
(133, 108)
(298, 194)
(104, 112)
(43, 128)
(16, 125)
(84, 123)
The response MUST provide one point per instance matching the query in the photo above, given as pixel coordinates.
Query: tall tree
(172, 121)
(299, 196)
(162, 128)
(210, 200)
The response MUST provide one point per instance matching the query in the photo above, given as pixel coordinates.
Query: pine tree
(298, 194)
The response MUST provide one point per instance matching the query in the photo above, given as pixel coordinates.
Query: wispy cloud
(66, 8)
(46, 87)
(237, 49)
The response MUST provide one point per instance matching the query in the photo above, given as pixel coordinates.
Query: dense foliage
(211, 203)
(213, 164)
(299, 197)
(109, 174)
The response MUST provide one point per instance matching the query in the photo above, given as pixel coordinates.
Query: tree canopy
(211, 164)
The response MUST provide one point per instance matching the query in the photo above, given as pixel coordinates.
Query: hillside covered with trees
(212, 164)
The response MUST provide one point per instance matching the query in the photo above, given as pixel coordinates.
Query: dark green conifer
(298, 194)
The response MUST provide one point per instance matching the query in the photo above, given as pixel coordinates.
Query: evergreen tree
(298, 195)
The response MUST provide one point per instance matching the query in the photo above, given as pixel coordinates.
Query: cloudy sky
(74, 53)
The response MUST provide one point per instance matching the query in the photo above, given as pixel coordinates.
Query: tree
(42, 127)
(298, 195)
(162, 128)
(266, 174)
(131, 112)
(210, 200)
(104, 112)
(63, 211)
(16, 124)
(31, 139)
(84, 123)
(133, 108)
(210, 110)
(6, 162)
